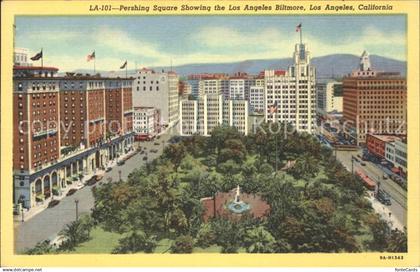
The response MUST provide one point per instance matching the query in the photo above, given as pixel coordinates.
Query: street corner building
(65, 127)
(374, 102)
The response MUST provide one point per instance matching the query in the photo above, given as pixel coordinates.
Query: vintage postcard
(205, 133)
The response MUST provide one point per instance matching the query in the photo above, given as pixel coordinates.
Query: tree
(397, 241)
(183, 244)
(205, 236)
(175, 152)
(136, 241)
(41, 248)
(76, 232)
(306, 167)
(259, 240)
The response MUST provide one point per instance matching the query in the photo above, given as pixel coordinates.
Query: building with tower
(374, 102)
(290, 96)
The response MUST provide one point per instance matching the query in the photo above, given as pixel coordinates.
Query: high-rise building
(373, 102)
(158, 90)
(329, 96)
(201, 116)
(256, 99)
(290, 95)
(59, 131)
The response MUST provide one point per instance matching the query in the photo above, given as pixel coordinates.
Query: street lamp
(119, 173)
(23, 216)
(76, 201)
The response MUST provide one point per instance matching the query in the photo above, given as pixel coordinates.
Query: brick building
(374, 102)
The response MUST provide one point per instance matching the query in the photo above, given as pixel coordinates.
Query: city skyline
(153, 41)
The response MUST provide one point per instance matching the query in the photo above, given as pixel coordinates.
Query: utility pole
(76, 201)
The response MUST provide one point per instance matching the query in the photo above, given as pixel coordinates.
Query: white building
(329, 97)
(290, 95)
(396, 152)
(256, 99)
(146, 121)
(209, 86)
(20, 57)
(237, 88)
(158, 90)
(201, 116)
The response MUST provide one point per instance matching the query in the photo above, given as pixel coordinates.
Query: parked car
(362, 163)
(142, 152)
(92, 181)
(120, 162)
(71, 192)
(358, 155)
(145, 158)
(158, 137)
(53, 203)
(383, 197)
(156, 143)
(108, 169)
(154, 150)
(385, 176)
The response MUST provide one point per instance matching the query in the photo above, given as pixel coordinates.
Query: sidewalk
(385, 214)
(28, 214)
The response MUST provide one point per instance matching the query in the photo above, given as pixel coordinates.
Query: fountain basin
(238, 207)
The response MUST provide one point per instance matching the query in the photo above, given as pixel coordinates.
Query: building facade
(374, 102)
(256, 99)
(146, 122)
(329, 97)
(158, 90)
(202, 115)
(290, 96)
(376, 144)
(59, 131)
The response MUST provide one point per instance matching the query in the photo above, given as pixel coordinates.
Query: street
(47, 224)
(398, 207)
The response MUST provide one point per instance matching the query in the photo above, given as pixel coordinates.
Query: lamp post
(119, 174)
(23, 216)
(76, 201)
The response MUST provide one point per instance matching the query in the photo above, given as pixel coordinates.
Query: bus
(367, 182)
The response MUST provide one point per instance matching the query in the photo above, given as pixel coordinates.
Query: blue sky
(155, 40)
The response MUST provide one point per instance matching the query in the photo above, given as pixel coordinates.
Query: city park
(229, 193)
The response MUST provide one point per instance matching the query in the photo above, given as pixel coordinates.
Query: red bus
(367, 182)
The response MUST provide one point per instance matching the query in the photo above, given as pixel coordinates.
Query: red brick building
(59, 131)
(376, 143)
(374, 102)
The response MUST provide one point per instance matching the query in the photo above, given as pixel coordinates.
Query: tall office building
(158, 90)
(290, 95)
(329, 97)
(201, 116)
(374, 102)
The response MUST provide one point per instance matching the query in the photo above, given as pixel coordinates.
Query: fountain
(238, 206)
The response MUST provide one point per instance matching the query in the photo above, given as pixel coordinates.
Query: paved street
(398, 195)
(46, 224)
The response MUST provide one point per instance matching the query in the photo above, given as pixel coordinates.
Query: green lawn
(104, 242)
(101, 242)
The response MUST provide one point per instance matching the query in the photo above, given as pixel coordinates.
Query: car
(385, 176)
(142, 152)
(154, 150)
(362, 163)
(156, 143)
(358, 155)
(71, 192)
(356, 159)
(92, 181)
(53, 203)
(120, 162)
(108, 169)
(158, 137)
(383, 197)
(145, 158)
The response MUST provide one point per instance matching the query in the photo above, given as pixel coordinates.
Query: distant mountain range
(336, 65)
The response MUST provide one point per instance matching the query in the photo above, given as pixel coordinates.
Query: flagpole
(126, 69)
(300, 35)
